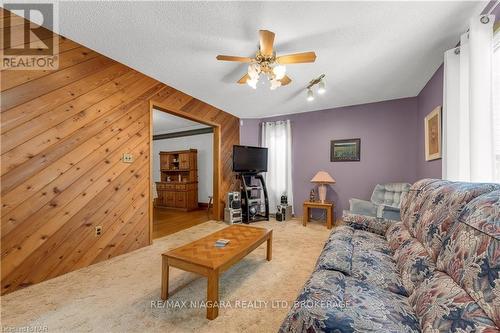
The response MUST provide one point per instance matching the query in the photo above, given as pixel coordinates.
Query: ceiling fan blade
(234, 58)
(296, 58)
(266, 42)
(285, 80)
(243, 79)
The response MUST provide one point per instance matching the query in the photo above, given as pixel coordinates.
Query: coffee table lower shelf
(212, 261)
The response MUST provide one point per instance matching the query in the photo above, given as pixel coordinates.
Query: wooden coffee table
(202, 257)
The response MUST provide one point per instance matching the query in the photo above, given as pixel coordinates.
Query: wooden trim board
(181, 134)
(215, 128)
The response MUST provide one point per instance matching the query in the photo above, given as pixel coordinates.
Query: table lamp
(322, 178)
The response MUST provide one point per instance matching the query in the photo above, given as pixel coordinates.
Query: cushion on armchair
(379, 213)
(390, 195)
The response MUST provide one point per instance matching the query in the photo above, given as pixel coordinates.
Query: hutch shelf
(178, 187)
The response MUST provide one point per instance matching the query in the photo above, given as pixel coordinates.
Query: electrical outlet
(98, 230)
(128, 158)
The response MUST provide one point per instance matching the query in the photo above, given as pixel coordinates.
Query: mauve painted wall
(250, 132)
(388, 134)
(428, 98)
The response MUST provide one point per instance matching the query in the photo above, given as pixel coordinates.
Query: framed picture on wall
(348, 150)
(433, 135)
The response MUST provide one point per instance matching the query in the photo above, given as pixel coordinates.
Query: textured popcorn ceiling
(369, 51)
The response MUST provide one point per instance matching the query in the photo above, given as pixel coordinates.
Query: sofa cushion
(396, 234)
(333, 302)
(471, 253)
(368, 241)
(413, 263)
(337, 252)
(368, 223)
(412, 203)
(447, 204)
(362, 255)
(442, 306)
(377, 269)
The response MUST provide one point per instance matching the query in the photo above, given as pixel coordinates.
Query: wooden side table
(328, 206)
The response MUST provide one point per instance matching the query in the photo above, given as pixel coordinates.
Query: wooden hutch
(178, 187)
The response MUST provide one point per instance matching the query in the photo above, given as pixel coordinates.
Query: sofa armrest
(369, 223)
(362, 207)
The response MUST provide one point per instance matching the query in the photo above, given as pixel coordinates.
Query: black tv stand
(254, 198)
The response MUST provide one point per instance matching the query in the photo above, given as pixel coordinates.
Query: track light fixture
(310, 95)
(320, 81)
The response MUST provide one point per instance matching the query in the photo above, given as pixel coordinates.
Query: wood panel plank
(13, 78)
(58, 245)
(16, 36)
(30, 110)
(86, 134)
(109, 98)
(89, 247)
(63, 192)
(14, 256)
(11, 20)
(36, 88)
(54, 117)
(29, 197)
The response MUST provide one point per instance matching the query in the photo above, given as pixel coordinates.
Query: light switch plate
(127, 158)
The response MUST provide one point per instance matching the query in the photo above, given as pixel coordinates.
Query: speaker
(284, 213)
(232, 216)
(284, 199)
(233, 200)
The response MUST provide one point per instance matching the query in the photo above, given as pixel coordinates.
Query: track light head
(310, 95)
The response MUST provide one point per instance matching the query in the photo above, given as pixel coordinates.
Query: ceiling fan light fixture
(267, 63)
(279, 71)
(321, 87)
(253, 82)
(275, 84)
(310, 95)
(254, 71)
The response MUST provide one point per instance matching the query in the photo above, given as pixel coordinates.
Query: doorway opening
(184, 172)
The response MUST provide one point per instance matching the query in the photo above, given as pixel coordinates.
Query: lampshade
(279, 72)
(323, 177)
(310, 95)
(252, 83)
(275, 84)
(321, 87)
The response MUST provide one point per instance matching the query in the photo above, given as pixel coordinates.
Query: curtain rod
(493, 7)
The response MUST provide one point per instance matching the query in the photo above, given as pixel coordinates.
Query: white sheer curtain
(277, 137)
(496, 102)
(468, 134)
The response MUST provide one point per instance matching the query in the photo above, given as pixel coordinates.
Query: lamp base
(322, 192)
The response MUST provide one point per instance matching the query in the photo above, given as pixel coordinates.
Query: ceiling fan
(266, 62)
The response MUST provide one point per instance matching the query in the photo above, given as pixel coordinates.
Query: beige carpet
(116, 295)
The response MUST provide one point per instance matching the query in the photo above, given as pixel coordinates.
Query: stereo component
(233, 200)
(232, 216)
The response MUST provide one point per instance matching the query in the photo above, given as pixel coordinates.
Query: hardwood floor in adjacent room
(168, 221)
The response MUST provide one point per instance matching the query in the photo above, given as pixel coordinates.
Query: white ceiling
(369, 51)
(166, 123)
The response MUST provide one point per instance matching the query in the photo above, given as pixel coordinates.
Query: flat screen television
(249, 159)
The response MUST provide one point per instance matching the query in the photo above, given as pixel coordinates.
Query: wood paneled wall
(63, 134)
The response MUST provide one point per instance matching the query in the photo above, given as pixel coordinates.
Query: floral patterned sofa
(435, 271)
